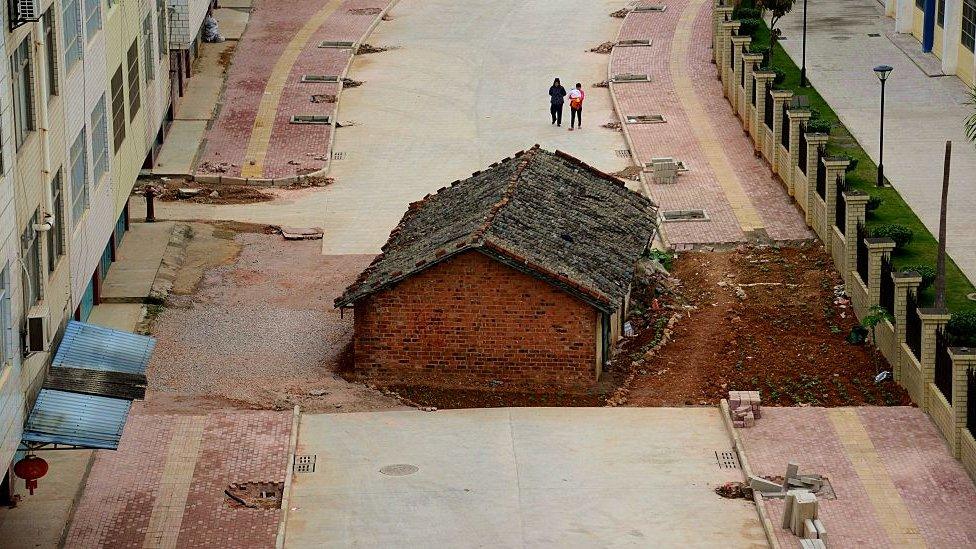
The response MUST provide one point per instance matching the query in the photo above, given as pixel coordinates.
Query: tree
(777, 9)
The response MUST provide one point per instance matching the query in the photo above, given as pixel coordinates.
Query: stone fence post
(904, 282)
(814, 142)
(720, 15)
(932, 320)
(763, 80)
(729, 28)
(877, 247)
(796, 117)
(835, 168)
(739, 45)
(856, 212)
(963, 359)
(779, 98)
(750, 61)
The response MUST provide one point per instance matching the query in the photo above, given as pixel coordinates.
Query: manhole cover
(309, 119)
(621, 78)
(399, 470)
(626, 43)
(726, 459)
(318, 78)
(333, 44)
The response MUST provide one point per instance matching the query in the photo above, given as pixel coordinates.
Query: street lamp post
(803, 68)
(882, 71)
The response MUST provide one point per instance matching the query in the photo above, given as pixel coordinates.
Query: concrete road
(466, 86)
(520, 477)
(921, 112)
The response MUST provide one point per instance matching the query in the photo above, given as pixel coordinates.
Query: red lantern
(30, 469)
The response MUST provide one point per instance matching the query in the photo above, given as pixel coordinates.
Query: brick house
(520, 274)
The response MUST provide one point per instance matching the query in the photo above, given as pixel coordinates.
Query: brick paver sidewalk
(252, 135)
(736, 190)
(164, 486)
(895, 481)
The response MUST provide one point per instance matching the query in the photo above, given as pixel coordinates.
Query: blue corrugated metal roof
(75, 419)
(97, 348)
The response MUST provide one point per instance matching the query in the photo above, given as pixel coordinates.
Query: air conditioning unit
(26, 11)
(37, 339)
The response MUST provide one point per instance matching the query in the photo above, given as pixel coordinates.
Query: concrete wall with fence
(939, 379)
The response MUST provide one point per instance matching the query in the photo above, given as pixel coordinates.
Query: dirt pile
(605, 47)
(350, 83)
(602, 84)
(181, 190)
(615, 126)
(323, 98)
(756, 318)
(620, 14)
(364, 49)
(630, 172)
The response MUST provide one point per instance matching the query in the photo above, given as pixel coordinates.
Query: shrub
(927, 272)
(748, 27)
(901, 234)
(815, 113)
(874, 202)
(759, 48)
(818, 126)
(962, 329)
(851, 162)
(744, 12)
(780, 76)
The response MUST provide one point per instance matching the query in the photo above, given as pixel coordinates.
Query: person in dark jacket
(557, 94)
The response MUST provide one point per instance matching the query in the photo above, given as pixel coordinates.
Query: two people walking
(557, 96)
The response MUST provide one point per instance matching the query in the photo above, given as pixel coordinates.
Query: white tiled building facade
(72, 148)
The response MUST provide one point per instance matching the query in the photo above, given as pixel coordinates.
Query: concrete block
(750, 419)
(788, 509)
(762, 485)
(821, 531)
(809, 530)
(804, 507)
(792, 470)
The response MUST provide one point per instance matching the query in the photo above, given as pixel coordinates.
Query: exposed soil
(755, 318)
(226, 56)
(613, 125)
(605, 47)
(630, 172)
(350, 83)
(621, 13)
(364, 49)
(602, 84)
(179, 189)
(323, 98)
(366, 11)
(447, 398)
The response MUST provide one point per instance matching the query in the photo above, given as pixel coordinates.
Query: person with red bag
(576, 98)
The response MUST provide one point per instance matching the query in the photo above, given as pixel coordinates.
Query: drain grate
(334, 44)
(644, 8)
(631, 78)
(874, 34)
(338, 155)
(309, 119)
(318, 78)
(623, 153)
(684, 215)
(304, 463)
(726, 459)
(646, 119)
(631, 43)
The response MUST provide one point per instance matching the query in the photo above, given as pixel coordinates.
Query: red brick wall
(472, 319)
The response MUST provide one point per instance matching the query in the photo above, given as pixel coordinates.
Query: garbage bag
(211, 33)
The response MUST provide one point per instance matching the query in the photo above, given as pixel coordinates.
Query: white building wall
(185, 18)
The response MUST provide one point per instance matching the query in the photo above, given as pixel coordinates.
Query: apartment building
(84, 96)
(947, 28)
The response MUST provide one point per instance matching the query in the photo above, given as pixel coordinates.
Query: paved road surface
(466, 87)
(518, 477)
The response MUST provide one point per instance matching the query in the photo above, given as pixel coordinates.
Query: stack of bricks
(744, 407)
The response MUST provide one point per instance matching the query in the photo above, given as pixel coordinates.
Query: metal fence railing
(802, 153)
(821, 175)
(887, 298)
(786, 127)
(862, 254)
(971, 401)
(768, 115)
(913, 326)
(943, 365)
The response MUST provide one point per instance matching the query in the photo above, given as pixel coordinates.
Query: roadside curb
(289, 473)
(63, 538)
(740, 452)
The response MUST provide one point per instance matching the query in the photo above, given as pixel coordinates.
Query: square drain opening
(631, 78)
(309, 119)
(339, 155)
(632, 43)
(726, 459)
(304, 463)
(646, 119)
(318, 78)
(645, 8)
(334, 44)
(874, 34)
(623, 153)
(672, 216)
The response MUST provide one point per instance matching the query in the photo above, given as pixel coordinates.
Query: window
(79, 174)
(940, 15)
(71, 33)
(93, 17)
(6, 325)
(31, 253)
(20, 68)
(133, 59)
(118, 109)
(55, 237)
(51, 49)
(161, 16)
(147, 46)
(99, 136)
(920, 4)
(969, 24)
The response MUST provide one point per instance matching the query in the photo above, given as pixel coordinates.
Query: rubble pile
(620, 14)
(630, 172)
(605, 47)
(350, 83)
(364, 49)
(615, 126)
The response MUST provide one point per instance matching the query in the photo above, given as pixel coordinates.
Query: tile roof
(545, 213)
